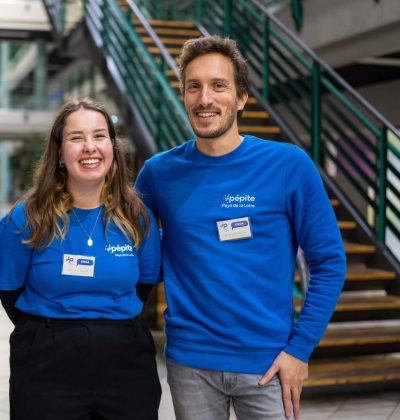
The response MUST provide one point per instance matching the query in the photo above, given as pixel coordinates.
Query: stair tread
(172, 23)
(335, 202)
(171, 50)
(189, 33)
(255, 114)
(259, 129)
(360, 272)
(323, 372)
(360, 335)
(347, 224)
(356, 248)
(349, 303)
(251, 100)
(165, 40)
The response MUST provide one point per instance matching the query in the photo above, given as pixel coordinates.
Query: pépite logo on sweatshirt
(238, 200)
(118, 250)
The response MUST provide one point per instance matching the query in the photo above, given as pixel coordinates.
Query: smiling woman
(79, 349)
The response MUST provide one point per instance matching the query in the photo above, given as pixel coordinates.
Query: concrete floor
(382, 406)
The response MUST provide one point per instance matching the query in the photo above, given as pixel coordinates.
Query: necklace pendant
(90, 242)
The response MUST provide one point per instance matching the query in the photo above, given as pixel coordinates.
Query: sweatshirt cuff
(300, 347)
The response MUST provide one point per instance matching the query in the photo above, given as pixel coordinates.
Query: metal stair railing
(344, 134)
(56, 10)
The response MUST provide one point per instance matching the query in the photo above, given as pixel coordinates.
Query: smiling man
(234, 211)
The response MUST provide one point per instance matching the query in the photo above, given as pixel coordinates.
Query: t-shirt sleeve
(149, 254)
(15, 256)
(317, 233)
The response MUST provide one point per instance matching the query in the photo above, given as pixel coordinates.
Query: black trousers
(83, 370)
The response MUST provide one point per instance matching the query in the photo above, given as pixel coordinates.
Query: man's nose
(206, 97)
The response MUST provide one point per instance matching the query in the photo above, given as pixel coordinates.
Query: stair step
(356, 307)
(355, 248)
(171, 50)
(360, 272)
(259, 129)
(324, 372)
(255, 114)
(347, 224)
(335, 202)
(251, 100)
(188, 33)
(367, 303)
(164, 40)
(171, 73)
(360, 336)
(175, 84)
(170, 23)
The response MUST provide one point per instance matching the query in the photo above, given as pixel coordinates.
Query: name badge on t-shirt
(78, 265)
(232, 229)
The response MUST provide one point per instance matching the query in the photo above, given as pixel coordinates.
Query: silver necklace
(90, 240)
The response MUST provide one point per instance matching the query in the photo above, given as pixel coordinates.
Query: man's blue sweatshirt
(230, 302)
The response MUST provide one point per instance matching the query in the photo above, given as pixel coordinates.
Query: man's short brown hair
(196, 47)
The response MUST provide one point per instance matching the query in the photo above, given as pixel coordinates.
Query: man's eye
(192, 86)
(220, 85)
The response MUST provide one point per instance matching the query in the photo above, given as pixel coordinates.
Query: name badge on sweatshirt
(78, 265)
(233, 229)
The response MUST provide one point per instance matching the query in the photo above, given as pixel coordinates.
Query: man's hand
(292, 372)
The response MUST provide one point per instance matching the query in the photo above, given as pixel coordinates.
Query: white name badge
(229, 230)
(78, 265)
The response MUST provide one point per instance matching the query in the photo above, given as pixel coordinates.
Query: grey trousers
(202, 394)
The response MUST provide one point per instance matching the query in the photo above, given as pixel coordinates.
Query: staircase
(362, 343)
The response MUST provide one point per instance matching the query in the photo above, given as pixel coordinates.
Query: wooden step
(188, 33)
(347, 224)
(264, 129)
(175, 84)
(164, 40)
(355, 248)
(171, 23)
(360, 272)
(348, 303)
(255, 114)
(335, 202)
(251, 101)
(360, 336)
(324, 372)
(367, 303)
(171, 73)
(171, 50)
(355, 307)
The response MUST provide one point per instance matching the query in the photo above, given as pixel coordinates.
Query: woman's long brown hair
(48, 202)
